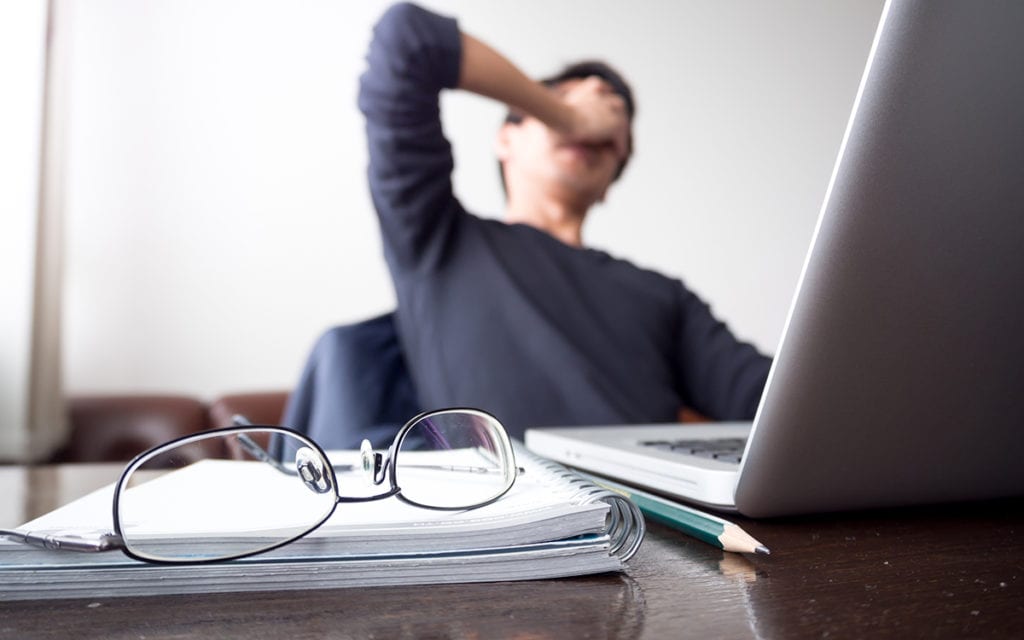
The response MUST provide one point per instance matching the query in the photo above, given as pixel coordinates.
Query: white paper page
(533, 494)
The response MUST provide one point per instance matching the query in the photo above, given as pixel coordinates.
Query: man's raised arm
(413, 55)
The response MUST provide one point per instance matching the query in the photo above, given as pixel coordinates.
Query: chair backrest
(355, 385)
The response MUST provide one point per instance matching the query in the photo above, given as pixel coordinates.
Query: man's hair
(580, 70)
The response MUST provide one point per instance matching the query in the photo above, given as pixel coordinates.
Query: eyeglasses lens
(212, 498)
(454, 459)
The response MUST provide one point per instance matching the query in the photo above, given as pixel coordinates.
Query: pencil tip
(762, 549)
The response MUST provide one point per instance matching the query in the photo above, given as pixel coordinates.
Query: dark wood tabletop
(952, 571)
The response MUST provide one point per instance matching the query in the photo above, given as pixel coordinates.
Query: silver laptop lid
(900, 377)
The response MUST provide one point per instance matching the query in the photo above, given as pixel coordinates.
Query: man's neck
(557, 218)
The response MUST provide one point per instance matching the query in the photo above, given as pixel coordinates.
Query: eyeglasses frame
(385, 467)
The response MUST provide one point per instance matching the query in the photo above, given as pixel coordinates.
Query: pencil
(703, 526)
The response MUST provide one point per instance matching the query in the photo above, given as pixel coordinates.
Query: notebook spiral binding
(625, 526)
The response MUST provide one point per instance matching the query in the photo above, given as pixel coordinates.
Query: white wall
(22, 61)
(218, 216)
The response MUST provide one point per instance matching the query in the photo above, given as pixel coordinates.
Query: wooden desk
(936, 572)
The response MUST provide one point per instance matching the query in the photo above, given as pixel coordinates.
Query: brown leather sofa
(114, 428)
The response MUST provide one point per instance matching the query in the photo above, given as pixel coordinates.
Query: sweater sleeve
(720, 376)
(413, 55)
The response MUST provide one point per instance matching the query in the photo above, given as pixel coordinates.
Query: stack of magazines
(552, 523)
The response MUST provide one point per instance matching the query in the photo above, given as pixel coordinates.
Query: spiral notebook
(552, 523)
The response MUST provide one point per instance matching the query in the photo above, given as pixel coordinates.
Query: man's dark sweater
(505, 317)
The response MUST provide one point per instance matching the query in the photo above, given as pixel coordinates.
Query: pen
(703, 526)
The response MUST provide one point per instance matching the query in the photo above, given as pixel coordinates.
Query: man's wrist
(486, 72)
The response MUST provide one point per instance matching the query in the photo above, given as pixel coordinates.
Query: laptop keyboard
(723, 449)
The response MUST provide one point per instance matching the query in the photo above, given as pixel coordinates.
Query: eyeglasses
(450, 459)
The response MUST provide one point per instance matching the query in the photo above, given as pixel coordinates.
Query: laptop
(899, 378)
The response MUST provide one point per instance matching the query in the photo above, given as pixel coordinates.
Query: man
(517, 317)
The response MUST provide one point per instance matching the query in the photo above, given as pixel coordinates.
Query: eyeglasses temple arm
(261, 454)
(470, 469)
(258, 452)
(105, 542)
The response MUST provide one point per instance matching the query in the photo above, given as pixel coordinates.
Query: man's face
(531, 151)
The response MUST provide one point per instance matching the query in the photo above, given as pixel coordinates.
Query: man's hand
(585, 111)
(598, 115)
